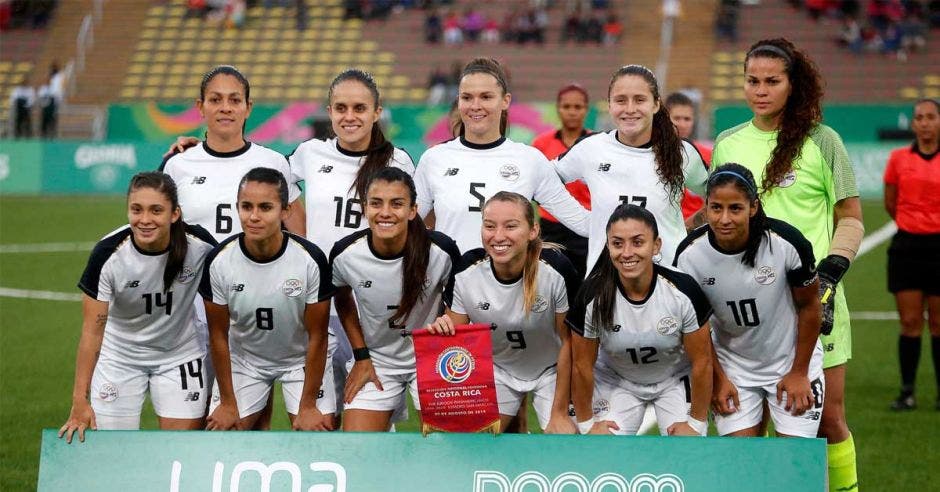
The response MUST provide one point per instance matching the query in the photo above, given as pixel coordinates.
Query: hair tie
(773, 49)
(747, 184)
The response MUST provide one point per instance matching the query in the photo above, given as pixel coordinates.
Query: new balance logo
(325, 169)
(604, 167)
(483, 306)
(198, 180)
(708, 281)
(238, 287)
(451, 171)
(192, 396)
(131, 284)
(365, 284)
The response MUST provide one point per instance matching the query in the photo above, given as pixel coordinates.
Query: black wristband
(833, 267)
(361, 354)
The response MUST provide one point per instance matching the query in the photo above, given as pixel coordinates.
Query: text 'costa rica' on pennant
(455, 380)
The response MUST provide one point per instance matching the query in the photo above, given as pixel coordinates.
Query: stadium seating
(17, 59)
(864, 77)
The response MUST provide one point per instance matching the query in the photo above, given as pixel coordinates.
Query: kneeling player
(758, 273)
(640, 333)
(369, 263)
(139, 333)
(522, 288)
(273, 289)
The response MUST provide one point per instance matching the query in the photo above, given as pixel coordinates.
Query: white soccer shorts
(624, 402)
(511, 390)
(751, 411)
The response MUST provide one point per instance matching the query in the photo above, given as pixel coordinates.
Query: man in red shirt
(911, 179)
(572, 107)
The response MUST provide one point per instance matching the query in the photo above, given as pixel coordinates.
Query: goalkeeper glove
(830, 270)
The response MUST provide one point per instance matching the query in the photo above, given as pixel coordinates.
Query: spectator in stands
(613, 29)
(593, 30)
(522, 27)
(726, 21)
(933, 13)
(913, 263)
(437, 87)
(453, 34)
(50, 100)
(433, 27)
(816, 8)
(573, 28)
(490, 31)
(22, 98)
(196, 8)
(851, 35)
(352, 9)
(913, 32)
(472, 24)
(539, 18)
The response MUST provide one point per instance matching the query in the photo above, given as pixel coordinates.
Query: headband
(747, 184)
(773, 49)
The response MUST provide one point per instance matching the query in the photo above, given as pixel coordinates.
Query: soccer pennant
(455, 380)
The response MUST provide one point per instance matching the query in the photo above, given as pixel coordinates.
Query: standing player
(759, 275)
(397, 245)
(911, 181)
(640, 332)
(138, 329)
(267, 295)
(682, 113)
(336, 172)
(643, 161)
(456, 177)
(806, 180)
(522, 288)
(572, 107)
(208, 174)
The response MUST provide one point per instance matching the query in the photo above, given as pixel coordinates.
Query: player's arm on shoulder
(81, 416)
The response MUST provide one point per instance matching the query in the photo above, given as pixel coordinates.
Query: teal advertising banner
(20, 167)
(142, 461)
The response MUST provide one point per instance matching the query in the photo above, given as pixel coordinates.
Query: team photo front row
(730, 328)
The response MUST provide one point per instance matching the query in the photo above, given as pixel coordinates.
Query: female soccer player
(397, 245)
(457, 176)
(640, 333)
(572, 106)
(759, 275)
(806, 180)
(643, 162)
(138, 329)
(911, 181)
(522, 288)
(267, 295)
(208, 174)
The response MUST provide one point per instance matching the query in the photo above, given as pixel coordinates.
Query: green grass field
(38, 340)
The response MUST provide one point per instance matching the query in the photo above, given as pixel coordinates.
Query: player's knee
(934, 326)
(912, 324)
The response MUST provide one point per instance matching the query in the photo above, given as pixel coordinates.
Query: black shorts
(914, 263)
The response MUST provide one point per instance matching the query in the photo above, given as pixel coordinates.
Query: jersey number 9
(516, 338)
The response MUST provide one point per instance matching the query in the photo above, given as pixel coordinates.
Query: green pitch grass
(38, 340)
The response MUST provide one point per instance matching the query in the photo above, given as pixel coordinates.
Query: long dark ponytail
(414, 266)
(164, 184)
(667, 146)
(380, 150)
(741, 178)
(602, 283)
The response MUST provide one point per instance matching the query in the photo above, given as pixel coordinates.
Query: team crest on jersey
(601, 407)
(540, 304)
(509, 172)
(788, 180)
(667, 325)
(455, 364)
(186, 274)
(108, 392)
(765, 275)
(292, 287)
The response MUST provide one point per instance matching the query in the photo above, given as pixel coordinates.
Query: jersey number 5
(476, 194)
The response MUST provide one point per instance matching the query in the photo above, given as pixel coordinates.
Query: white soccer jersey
(644, 345)
(266, 300)
(755, 321)
(524, 344)
(208, 183)
(146, 326)
(617, 173)
(456, 177)
(328, 172)
(376, 282)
